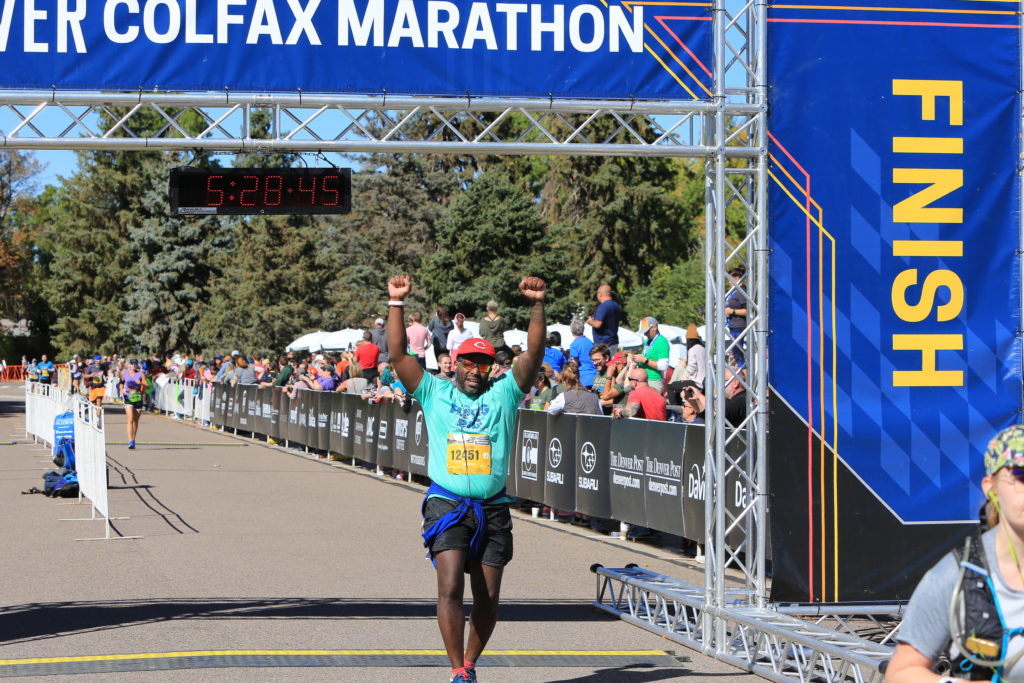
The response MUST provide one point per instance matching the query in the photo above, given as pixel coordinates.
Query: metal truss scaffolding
(728, 619)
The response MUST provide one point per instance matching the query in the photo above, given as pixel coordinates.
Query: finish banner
(619, 49)
(895, 284)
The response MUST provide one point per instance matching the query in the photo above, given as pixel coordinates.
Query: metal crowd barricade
(43, 403)
(91, 466)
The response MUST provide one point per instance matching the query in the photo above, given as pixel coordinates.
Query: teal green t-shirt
(492, 415)
(656, 350)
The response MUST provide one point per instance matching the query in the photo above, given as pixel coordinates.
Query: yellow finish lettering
(928, 345)
(940, 182)
(938, 248)
(929, 91)
(928, 145)
(915, 313)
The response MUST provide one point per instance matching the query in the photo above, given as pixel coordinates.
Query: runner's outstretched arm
(406, 367)
(526, 369)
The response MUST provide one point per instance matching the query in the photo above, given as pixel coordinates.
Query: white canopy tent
(341, 340)
(308, 342)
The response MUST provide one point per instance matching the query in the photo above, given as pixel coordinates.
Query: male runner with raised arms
(470, 424)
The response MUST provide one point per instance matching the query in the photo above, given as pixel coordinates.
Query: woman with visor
(964, 621)
(134, 383)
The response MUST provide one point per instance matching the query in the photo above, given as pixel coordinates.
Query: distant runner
(470, 424)
(135, 384)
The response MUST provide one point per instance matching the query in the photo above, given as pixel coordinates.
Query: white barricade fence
(91, 466)
(203, 401)
(43, 403)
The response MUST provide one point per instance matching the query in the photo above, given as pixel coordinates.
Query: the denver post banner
(647, 49)
(895, 291)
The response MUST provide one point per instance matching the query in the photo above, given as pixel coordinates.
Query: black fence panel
(385, 433)
(370, 412)
(627, 471)
(323, 420)
(348, 422)
(560, 462)
(219, 404)
(250, 406)
(593, 436)
(230, 422)
(418, 443)
(402, 415)
(279, 414)
(531, 448)
(312, 403)
(295, 435)
(663, 476)
(696, 488)
(335, 442)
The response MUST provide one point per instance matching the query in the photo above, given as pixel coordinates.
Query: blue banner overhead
(895, 141)
(576, 48)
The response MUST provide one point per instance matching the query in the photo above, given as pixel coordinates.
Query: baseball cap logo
(480, 345)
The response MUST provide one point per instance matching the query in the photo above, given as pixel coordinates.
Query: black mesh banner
(736, 490)
(627, 470)
(560, 463)
(370, 412)
(241, 408)
(294, 429)
(531, 446)
(593, 435)
(358, 427)
(401, 417)
(302, 430)
(312, 403)
(417, 442)
(251, 403)
(695, 492)
(273, 418)
(663, 476)
(323, 420)
(385, 436)
(262, 410)
(217, 412)
(229, 408)
(337, 411)
(348, 421)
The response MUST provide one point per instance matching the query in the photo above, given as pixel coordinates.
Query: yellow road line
(337, 653)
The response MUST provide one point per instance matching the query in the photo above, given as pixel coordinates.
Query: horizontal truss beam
(366, 124)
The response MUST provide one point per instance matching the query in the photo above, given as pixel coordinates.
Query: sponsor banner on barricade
(385, 434)
(402, 415)
(531, 447)
(252, 408)
(217, 409)
(312, 405)
(663, 475)
(230, 422)
(417, 443)
(627, 468)
(560, 465)
(274, 418)
(242, 408)
(737, 491)
(302, 428)
(294, 430)
(348, 404)
(371, 411)
(264, 404)
(323, 420)
(336, 415)
(593, 446)
(695, 492)
(358, 411)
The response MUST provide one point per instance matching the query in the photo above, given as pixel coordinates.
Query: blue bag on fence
(63, 428)
(64, 453)
(60, 484)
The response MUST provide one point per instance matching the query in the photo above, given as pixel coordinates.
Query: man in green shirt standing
(470, 432)
(654, 358)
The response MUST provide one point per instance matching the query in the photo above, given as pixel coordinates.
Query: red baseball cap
(475, 345)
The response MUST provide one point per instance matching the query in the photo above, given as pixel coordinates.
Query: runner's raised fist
(533, 288)
(399, 287)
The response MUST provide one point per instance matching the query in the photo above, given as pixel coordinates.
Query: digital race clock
(240, 191)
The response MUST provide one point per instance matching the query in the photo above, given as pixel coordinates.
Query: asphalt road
(246, 547)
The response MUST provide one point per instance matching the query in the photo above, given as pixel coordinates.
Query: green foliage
(494, 237)
(675, 295)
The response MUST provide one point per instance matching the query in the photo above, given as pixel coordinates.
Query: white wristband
(396, 303)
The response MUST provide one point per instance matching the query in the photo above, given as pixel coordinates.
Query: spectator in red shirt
(644, 402)
(367, 355)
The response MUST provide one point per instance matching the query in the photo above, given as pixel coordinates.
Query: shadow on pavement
(625, 674)
(39, 621)
(144, 492)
